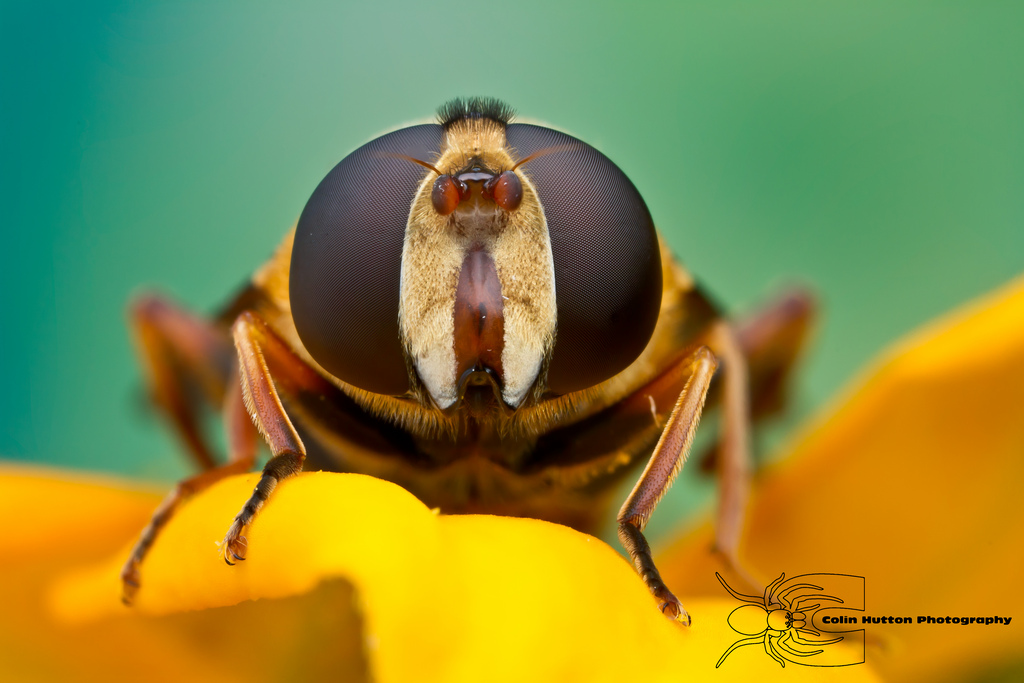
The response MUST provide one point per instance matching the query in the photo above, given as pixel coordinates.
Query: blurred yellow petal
(912, 480)
(443, 598)
(57, 514)
(54, 521)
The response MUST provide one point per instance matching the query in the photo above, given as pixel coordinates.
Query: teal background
(873, 150)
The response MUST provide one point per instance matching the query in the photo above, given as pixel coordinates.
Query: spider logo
(782, 620)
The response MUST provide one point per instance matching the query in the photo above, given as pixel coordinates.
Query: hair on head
(459, 109)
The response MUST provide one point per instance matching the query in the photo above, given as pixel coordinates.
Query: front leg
(663, 467)
(259, 349)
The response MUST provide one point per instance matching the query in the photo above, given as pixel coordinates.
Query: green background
(873, 150)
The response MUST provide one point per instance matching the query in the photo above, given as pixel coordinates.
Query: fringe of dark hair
(459, 109)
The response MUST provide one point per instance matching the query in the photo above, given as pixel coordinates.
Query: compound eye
(347, 260)
(508, 191)
(445, 195)
(606, 257)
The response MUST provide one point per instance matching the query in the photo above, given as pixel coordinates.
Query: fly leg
(259, 351)
(663, 467)
(187, 362)
(734, 446)
(242, 436)
(757, 356)
(772, 339)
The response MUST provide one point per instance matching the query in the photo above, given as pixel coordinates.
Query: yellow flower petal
(913, 481)
(444, 598)
(53, 521)
(56, 513)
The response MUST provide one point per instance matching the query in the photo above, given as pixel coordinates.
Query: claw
(129, 585)
(234, 547)
(673, 609)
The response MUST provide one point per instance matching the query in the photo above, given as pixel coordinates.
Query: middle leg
(241, 435)
(734, 460)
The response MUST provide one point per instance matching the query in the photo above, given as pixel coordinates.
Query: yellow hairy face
(452, 261)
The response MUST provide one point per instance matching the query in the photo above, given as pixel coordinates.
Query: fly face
(478, 283)
(528, 265)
